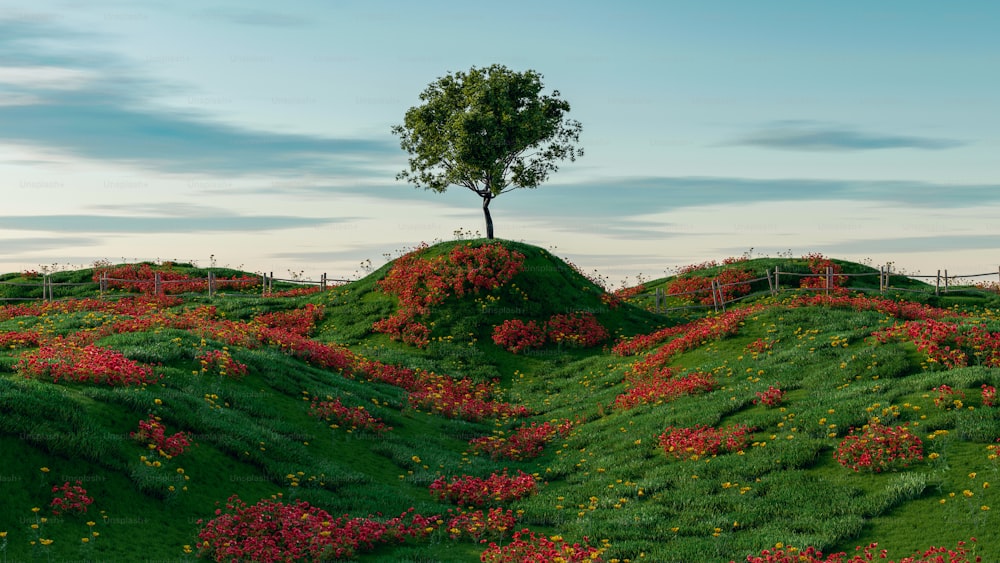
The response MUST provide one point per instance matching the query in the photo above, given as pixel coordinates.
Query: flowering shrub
(475, 491)
(614, 299)
(662, 386)
(516, 336)
(421, 283)
(577, 330)
(496, 522)
(876, 447)
(818, 265)
(939, 340)
(688, 336)
(759, 346)
(461, 398)
(272, 531)
(732, 283)
(355, 418)
(70, 499)
(525, 443)
(142, 278)
(770, 398)
(989, 395)
(301, 321)
(701, 441)
(62, 359)
(947, 397)
(17, 339)
(222, 363)
(154, 434)
(867, 554)
(526, 546)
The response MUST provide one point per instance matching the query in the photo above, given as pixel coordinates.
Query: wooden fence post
(157, 283)
(211, 284)
(946, 281)
(829, 279)
(658, 299)
(322, 281)
(777, 286)
(937, 284)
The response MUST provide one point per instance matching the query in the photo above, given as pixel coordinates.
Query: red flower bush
(818, 265)
(70, 499)
(62, 359)
(867, 554)
(733, 283)
(684, 337)
(495, 522)
(272, 531)
(461, 398)
(662, 386)
(989, 395)
(516, 336)
(222, 363)
(355, 418)
(526, 546)
(154, 434)
(701, 441)
(525, 443)
(421, 283)
(301, 321)
(475, 491)
(947, 398)
(759, 346)
(142, 278)
(770, 398)
(19, 339)
(876, 447)
(577, 330)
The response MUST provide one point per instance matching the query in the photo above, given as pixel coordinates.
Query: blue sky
(259, 132)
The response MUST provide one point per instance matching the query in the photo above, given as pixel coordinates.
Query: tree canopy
(490, 130)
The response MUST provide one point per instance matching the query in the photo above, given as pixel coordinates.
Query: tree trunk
(486, 212)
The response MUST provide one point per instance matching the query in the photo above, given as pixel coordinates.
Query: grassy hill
(295, 397)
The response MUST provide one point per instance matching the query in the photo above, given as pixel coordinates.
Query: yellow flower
(984, 508)
(44, 470)
(3, 534)
(85, 540)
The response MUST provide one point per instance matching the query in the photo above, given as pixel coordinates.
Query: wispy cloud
(810, 136)
(93, 106)
(18, 246)
(79, 223)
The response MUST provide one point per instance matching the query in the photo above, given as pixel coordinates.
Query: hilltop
(694, 434)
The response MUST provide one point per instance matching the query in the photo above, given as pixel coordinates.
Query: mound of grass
(607, 477)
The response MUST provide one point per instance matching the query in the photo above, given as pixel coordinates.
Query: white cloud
(45, 77)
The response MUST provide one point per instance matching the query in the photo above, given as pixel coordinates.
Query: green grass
(607, 480)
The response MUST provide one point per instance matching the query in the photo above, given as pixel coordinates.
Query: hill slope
(294, 397)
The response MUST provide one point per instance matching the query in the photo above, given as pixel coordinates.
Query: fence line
(212, 284)
(829, 284)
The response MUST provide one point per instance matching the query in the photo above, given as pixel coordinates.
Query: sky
(257, 135)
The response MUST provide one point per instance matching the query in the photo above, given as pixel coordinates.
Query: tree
(490, 130)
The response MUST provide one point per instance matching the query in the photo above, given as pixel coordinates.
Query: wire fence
(829, 281)
(47, 289)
